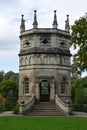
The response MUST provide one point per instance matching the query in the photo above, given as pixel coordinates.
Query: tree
(8, 75)
(1, 76)
(79, 42)
(79, 93)
(9, 88)
(2, 103)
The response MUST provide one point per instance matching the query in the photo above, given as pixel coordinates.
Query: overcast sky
(10, 16)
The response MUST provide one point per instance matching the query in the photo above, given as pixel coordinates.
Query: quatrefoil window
(62, 43)
(27, 42)
(45, 41)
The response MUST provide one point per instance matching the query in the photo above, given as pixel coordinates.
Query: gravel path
(80, 114)
(7, 113)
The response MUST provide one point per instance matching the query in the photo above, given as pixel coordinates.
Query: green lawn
(43, 123)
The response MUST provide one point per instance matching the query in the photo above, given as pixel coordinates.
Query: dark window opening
(63, 85)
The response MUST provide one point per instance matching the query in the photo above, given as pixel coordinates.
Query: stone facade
(44, 62)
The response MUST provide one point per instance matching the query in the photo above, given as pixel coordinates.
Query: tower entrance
(44, 91)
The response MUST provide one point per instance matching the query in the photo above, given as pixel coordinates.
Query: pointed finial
(67, 26)
(55, 24)
(22, 26)
(35, 24)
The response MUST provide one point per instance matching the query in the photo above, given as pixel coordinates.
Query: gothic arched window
(63, 85)
(26, 85)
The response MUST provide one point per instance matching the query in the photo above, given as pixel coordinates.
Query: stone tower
(44, 65)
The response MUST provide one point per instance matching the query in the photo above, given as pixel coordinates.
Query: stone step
(45, 114)
(45, 109)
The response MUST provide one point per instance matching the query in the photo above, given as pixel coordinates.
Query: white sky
(10, 16)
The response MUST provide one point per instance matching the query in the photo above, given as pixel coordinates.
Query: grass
(43, 123)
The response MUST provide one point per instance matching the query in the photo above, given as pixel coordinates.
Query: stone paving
(80, 114)
(7, 113)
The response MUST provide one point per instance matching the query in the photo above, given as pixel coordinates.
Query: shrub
(16, 109)
(2, 103)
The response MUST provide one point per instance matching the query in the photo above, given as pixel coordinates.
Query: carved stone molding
(50, 79)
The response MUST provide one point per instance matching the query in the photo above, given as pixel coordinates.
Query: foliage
(80, 99)
(2, 103)
(79, 42)
(1, 76)
(16, 109)
(9, 88)
(8, 75)
(79, 93)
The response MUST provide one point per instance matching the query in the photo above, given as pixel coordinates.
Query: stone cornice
(45, 31)
(48, 67)
(37, 50)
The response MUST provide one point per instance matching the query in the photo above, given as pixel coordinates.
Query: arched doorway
(44, 91)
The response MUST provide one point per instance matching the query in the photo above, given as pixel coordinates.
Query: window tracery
(26, 85)
(63, 85)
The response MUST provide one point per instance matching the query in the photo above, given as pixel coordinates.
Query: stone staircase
(45, 109)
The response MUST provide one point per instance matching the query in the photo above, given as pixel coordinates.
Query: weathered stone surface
(45, 57)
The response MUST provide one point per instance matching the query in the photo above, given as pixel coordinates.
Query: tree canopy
(8, 89)
(79, 93)
(79, 42)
